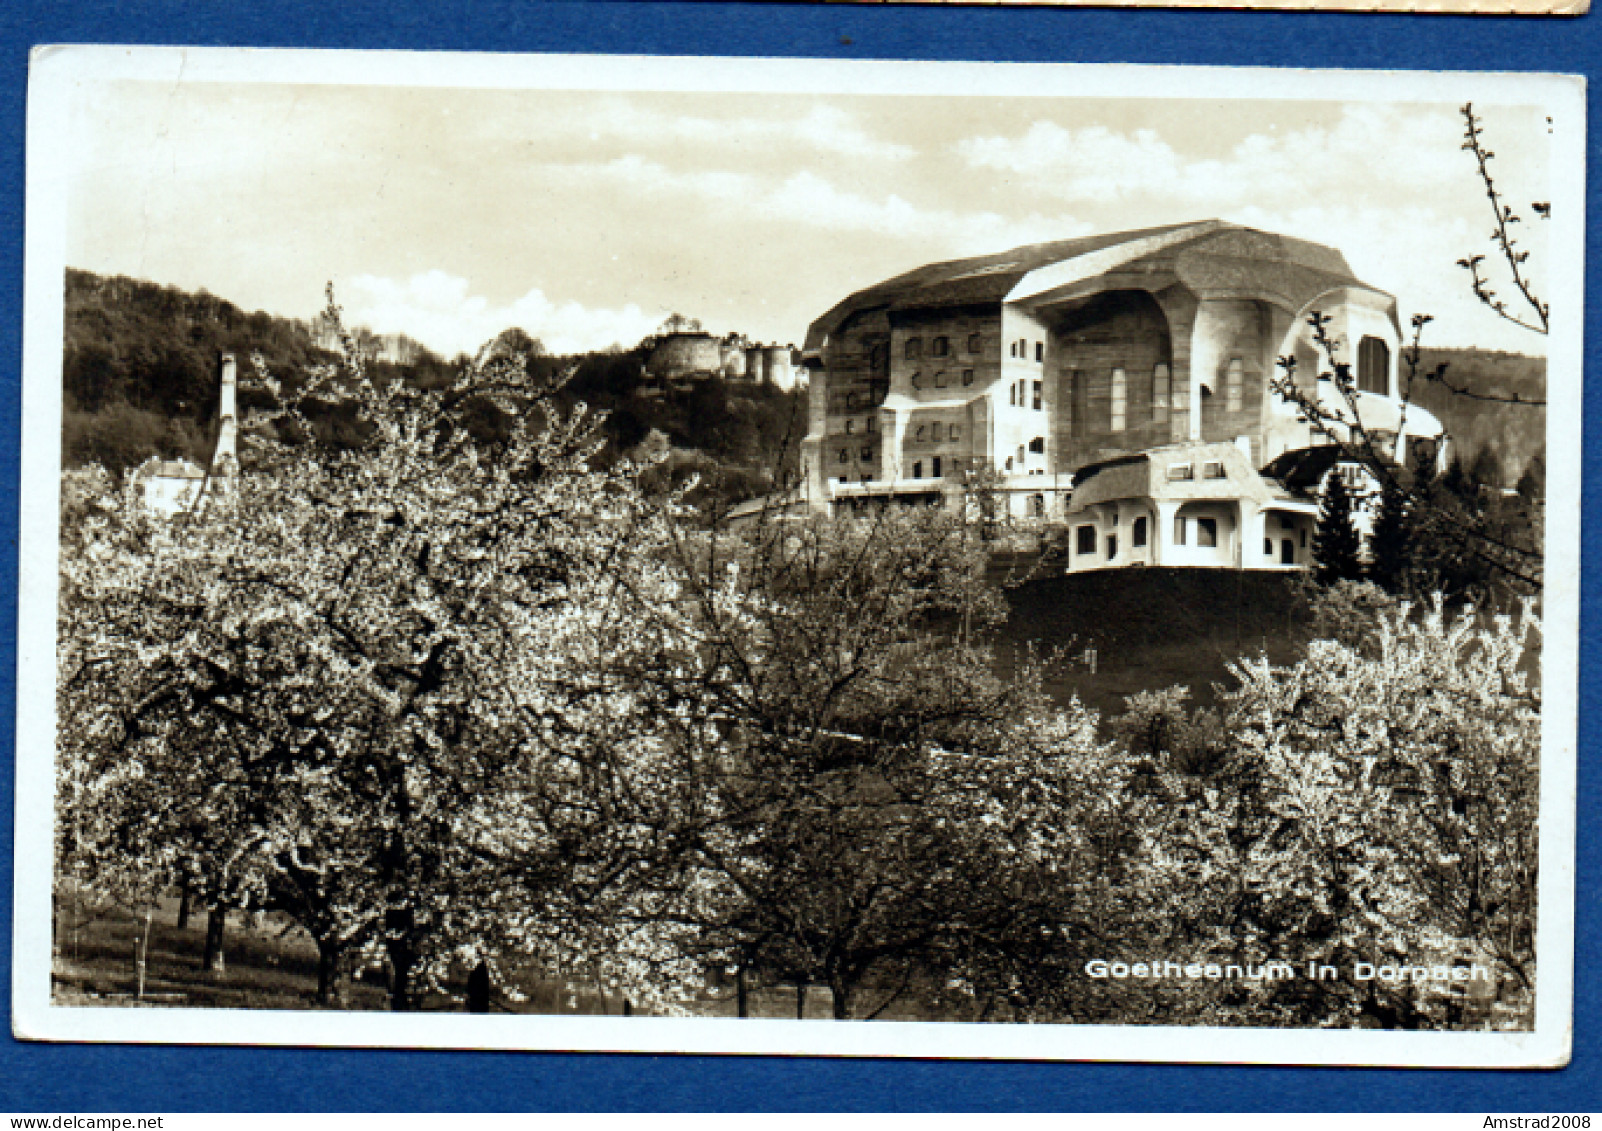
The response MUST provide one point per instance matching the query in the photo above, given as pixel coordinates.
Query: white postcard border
(58, 73)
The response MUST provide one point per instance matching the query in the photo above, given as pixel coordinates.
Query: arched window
(1234, 378)
(1161, 388)
(1120, 392)
(967, 376)
(940, 347)
(914, 349)
(1373, 366)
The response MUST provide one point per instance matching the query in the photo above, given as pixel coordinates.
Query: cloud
(1371, 149)
(808, 199)
(827, 129)
(439, 310)
(1412, 253)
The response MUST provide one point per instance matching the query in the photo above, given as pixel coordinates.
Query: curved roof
(1214, 259)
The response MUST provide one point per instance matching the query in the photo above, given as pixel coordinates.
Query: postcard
(789, 556)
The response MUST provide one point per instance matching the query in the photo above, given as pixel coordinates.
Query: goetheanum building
(1032, 365)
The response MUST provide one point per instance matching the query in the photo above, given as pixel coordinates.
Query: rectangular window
(1213, 469)
(845, 456)
(1137, 532)
(873, 425)
(849, 425)
(1112, 546)
(1179, 530)
(1268, 547)
(1037, 395)
(1161, 388)
(1085, 540)
(1038, 445)
(1373, 366)
(935, 469)
(1012, 394)
(975, 342)
(940, 379)
(956, 432)
(1180, 471)
(917, 470)
(1207, 532)
(867, 454)
(1119, 404)
(967, 376)
(1040, 351)
(939, 347)
(1234, 378)
(918, 435)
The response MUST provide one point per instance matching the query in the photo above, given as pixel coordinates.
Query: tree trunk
(841, 992)
(211, 961)
(478, 989)
(184, 901)
(329, 953)
(742, 1003)
(402, 960)
(398, 921)
(800, 1001)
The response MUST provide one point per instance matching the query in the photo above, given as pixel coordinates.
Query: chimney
(226, 460)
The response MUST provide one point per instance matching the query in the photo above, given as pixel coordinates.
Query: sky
(586, 217)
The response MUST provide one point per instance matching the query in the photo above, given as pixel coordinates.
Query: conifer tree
(1336, 543)
(1390, 543)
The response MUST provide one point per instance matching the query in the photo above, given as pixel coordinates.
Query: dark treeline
(1498, 442)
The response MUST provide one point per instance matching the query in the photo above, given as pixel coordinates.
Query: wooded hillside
(140, 376)
(1496, 440)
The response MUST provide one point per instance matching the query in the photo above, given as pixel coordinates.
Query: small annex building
(167, 487)
(1187, 505)
(1040, 367)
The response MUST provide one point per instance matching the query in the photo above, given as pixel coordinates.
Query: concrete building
(1187, 505)
(1032, 364)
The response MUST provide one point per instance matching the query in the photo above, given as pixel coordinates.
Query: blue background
(52, 1079)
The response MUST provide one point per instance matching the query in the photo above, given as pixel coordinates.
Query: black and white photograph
(740, 555)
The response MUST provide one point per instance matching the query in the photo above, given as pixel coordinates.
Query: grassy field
(272, 964)
(1152, 628)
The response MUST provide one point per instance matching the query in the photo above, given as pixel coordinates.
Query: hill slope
(140, 378)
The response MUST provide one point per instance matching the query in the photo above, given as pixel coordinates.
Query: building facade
(1028, 367)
